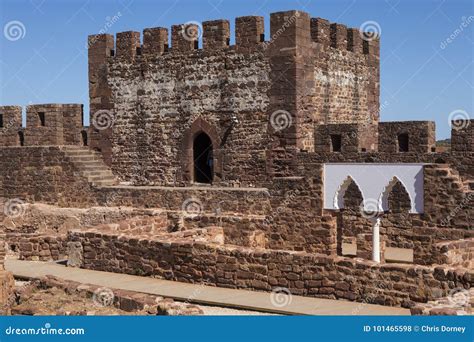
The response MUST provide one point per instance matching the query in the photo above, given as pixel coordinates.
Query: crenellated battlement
(394, 137)
(46, 124)
(311, 70)
(273, 143)
(10, 125)
(341, 37)
(249, 33)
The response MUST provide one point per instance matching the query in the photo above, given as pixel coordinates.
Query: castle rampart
(46, 124)
(10, 126)
(244, 133)
(234, 88)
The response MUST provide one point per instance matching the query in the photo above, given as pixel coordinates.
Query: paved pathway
(202, 294)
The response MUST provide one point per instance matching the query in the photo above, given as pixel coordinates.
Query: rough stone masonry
(206, 164)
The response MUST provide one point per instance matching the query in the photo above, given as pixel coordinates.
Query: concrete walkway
(201, 294)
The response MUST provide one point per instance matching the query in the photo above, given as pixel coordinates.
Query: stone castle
(256, 165)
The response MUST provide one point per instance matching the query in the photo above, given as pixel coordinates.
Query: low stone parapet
(262, 269)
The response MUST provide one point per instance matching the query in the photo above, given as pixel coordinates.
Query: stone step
(100, 178)
(104, 182)
(80, 159)
(88, 168)
(78, 152)
(91, 166)
(89, 161)
(101, 173)
(73, 148)
(447, 170)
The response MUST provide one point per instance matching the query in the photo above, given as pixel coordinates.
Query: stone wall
(462, 136)
(7, 282)
(462, 147)
(159, 99)
(455, 253)
(46, 124)
(42, 174)
(346, 74)
(10, 125)
(447, 215)
(351, 137)
(162, 102)
(262, 269)
(7, 285)
(448, 199)
(398, 230)
(420, 136)
(446, 203)
(288, 214)
(40, 247)
(39, 231)
(53, 124)
(208, 200)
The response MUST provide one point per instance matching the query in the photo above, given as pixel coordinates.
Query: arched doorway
(203, 159)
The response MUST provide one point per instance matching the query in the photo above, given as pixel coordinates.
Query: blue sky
(423, 75)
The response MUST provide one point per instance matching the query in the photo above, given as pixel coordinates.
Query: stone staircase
(90, 165)
(450, 174)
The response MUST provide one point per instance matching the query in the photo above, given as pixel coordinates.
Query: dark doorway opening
(336, 142)
(42, 119)
(403, 142)
(84, 138)
(203, 159)
(21, 138)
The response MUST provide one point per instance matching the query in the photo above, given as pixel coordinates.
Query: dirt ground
(56, 301)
